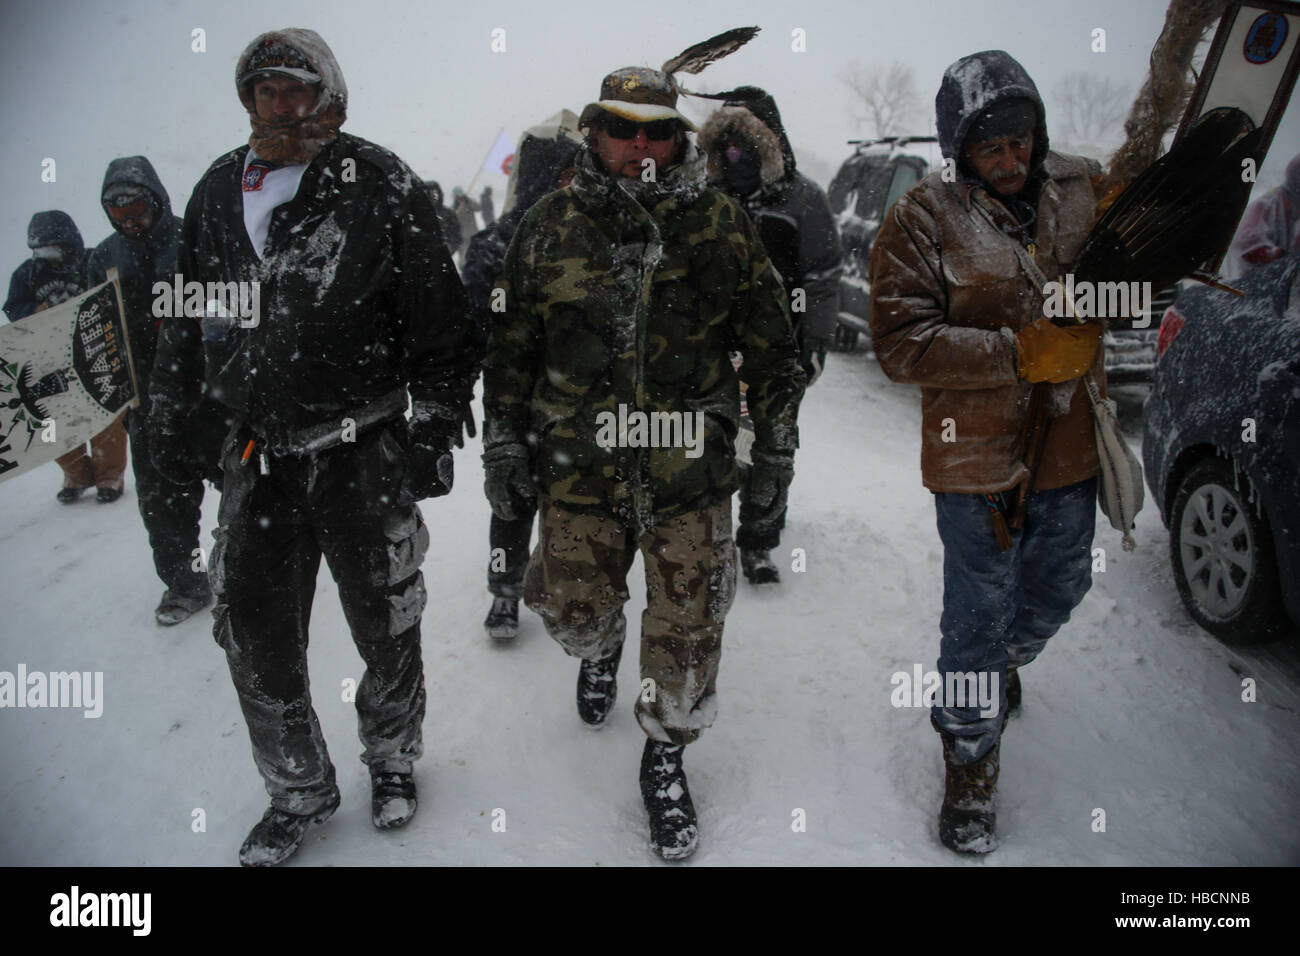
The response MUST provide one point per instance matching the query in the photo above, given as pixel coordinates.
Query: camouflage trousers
(577, 583)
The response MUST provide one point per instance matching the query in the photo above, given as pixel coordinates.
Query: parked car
(878, 172)
(1131, 352)
(1221, 448)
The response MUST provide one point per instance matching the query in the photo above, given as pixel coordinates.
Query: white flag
(503, 151)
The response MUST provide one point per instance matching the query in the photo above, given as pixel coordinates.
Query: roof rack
(893, 140)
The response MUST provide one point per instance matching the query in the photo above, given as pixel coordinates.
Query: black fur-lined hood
(752, 114)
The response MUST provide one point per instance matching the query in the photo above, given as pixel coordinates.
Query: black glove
(429, 467)
(172, 456)
(457, 420)
(813, 362)
(465, 416)
(509, 483)
(768, 490)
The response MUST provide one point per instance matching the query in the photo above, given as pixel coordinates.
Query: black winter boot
(758, 567)
(502, 622)
(967, 820)
(1013, 692)
(278, 835)
(673, 827)
(392, 799)
(598, 688)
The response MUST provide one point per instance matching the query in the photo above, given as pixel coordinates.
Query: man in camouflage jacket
(608, 393)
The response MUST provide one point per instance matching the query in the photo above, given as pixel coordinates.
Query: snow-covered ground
(1131, 710)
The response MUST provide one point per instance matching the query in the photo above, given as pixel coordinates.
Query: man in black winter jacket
(143, 250)
(55, 273)
(750, 158)
(348, 303)
(544, 165)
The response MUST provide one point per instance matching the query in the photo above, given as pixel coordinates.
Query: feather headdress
(643, 94)
(1181, 211)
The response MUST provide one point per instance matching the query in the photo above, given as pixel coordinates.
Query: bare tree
(1091, 108)
(884, 96)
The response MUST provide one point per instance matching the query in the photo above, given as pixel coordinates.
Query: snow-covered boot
(68, 495)
(502, 622)
(758, 567)
(392, 799)
(176, 607)
(673, 827)
(1013, 692)
(598, 688)
(278, 835)
(967, 820)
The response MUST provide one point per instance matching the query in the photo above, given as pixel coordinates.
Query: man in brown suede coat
(955, 310)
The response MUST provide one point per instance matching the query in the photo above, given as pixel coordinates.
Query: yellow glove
(1046, 352)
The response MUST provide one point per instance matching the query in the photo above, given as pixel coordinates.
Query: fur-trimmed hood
(713, 139)
(753, 114)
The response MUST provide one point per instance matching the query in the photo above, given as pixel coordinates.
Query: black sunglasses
(619, 128)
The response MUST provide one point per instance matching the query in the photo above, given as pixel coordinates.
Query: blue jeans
(1000, 607)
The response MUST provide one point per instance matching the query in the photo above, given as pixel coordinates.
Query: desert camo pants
(577, 583)
(273, 529)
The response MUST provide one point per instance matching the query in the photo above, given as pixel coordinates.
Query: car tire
(1223, 557)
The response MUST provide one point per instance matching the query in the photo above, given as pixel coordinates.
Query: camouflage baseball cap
(636, 93)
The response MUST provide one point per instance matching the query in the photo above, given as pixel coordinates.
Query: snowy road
(1132, 710)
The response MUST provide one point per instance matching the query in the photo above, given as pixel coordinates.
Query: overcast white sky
(85, 82)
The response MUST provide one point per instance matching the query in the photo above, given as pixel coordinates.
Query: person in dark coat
(544, 165)
(55, 273)
(446, 218)
(359, 313)
(464, 209)
(750, 158)
(143, 250)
